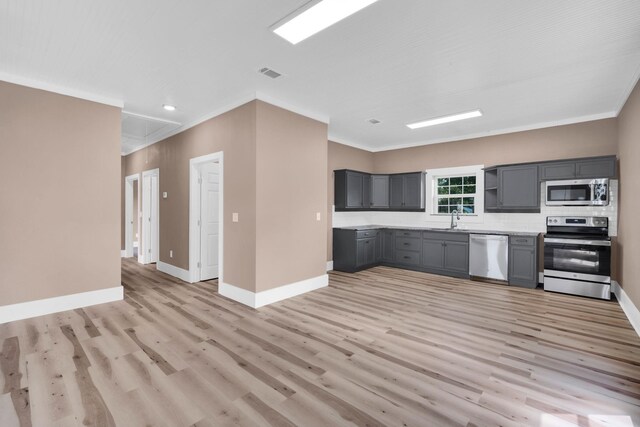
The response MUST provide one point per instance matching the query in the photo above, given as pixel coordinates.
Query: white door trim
(128, 212)
(143, 255)
(194, 215)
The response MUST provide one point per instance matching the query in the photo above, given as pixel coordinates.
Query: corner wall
(629, 235)
(291, 189)
(60, 209)
(234, 133)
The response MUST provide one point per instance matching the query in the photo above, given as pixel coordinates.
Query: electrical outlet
(234, 217)
(170, 254)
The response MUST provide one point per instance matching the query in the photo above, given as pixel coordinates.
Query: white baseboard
(25, 310)
(260, 299)
(123, 254)
(174, 271)
(632, 312)
(329, 265)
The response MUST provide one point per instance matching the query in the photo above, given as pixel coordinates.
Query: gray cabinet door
(522, 266)
(366, 191)
(413, 191)
(396, 191)
(597, 168)
(379, 191)
(518, 187)
(388, 245)
(456, 257)
(365, 251)
(551, 171)
(355, 196)
(432, 254)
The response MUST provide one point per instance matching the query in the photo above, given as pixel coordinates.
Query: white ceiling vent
(139, 131)
(373, 121)
(270, 73)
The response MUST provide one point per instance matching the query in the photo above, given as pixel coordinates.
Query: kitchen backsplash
(488, 221)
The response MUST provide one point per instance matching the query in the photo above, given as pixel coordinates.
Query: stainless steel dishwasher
(489, 256)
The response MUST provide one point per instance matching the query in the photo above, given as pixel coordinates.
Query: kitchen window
(456, 188)
(457, 193)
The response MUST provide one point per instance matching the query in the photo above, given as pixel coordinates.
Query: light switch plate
(170, 254)
(234, 217)
(318, 216)
(164, 195)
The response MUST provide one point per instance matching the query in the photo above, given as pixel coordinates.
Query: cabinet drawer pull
(406, 244)
(521, 240)
(406, 257)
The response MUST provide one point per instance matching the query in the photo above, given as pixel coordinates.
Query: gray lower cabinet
(355, 250)
(456, 257)
(446, 253)
(388, 245)
(523, 261)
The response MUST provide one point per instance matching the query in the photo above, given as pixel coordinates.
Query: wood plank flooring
(383, 347)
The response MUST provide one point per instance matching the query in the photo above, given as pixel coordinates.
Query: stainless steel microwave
(578, 192)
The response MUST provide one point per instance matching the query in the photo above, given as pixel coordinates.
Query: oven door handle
(579, 242)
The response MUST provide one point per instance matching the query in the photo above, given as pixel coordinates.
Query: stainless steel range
(577, 256)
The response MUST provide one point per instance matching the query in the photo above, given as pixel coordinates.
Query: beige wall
(234, 134)
(586, 139)
(274, 178)
(342, 157)
(291, 188)
(60, 215)
(629, 227)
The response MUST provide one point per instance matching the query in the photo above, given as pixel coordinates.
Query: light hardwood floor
(380, 347)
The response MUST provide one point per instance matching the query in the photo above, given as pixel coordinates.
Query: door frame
(143, 254)
(194, 214)
(128, 214)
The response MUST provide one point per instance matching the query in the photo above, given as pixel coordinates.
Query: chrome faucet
(454, 222)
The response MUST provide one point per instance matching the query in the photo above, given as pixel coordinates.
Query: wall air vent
(270, 73)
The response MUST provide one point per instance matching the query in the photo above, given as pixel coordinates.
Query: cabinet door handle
(406, 257)
(406, 244)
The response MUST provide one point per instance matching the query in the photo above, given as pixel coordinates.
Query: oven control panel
(578, 221)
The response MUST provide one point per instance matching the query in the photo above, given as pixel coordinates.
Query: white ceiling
(524, 64)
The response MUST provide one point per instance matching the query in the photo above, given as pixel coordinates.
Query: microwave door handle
(578, 242)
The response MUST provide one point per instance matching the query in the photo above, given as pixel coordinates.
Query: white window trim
(433, 174)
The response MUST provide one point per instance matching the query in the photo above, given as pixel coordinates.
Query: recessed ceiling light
(445, 119)
(316, 16)
(169, 107)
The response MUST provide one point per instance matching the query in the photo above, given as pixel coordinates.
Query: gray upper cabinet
(352, 190)
(552, 171)
(406, 191)
(363, 191)
(379, 191)
(518, 188)
(594, 167)
(396, 191)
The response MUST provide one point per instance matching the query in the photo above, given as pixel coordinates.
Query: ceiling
(524, 64)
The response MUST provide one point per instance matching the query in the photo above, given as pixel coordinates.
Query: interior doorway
(150, 241)
(206, 217)
(132, 216)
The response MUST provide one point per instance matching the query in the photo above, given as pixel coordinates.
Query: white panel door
(155, 224)
(209, 220)
(150, 230)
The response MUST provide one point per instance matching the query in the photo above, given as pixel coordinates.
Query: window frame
(432, 196)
